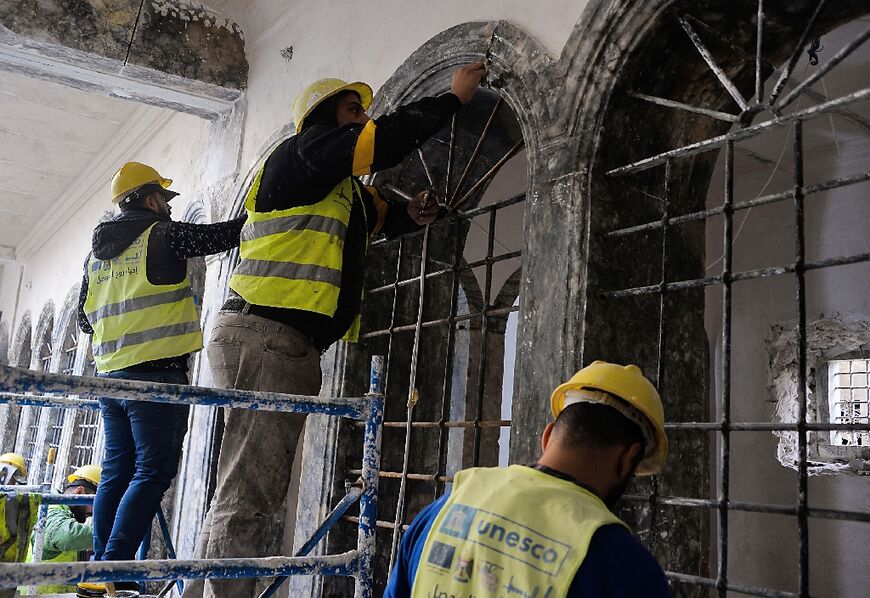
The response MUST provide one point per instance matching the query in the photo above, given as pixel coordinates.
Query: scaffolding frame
(355, 563)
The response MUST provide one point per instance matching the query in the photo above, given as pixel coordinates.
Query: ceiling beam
(110, 77)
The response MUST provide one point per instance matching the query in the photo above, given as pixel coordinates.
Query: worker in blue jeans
(137, 303)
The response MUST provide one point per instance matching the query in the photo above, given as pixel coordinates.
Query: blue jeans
(142, 446)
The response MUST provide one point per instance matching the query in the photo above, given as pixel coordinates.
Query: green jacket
(63, 540)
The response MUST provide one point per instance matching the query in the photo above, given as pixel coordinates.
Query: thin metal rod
(662, 331)
(412, 394)
(445, 271)
(795, 55)
(403, 194)
(744, 205)
(685, 426)
(708, 58)
(490, 423)
(740, 276)
(475, 153)
(800, 251)
(400, 255)
(739, 588)
(751, 507)
(417, 477)
(759, 59)
(484, 339)
(451, 149)
(717, 114)
(823, 70)
(740, 134)
(489, 174)
(501, 311)
(447, 382)
(725, 418)
(426, 167)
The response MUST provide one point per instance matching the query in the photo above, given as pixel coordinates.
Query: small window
(848, 400)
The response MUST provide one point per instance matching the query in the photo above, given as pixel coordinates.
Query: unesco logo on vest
(506, 537)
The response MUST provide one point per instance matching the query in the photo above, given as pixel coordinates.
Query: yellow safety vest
(292, 259)
(135, 321)
(21, 517)
(511, 531)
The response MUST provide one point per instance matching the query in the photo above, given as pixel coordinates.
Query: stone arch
(66, 332)
(21, 350)
(43, 338)
(4, 343)
(596, 125)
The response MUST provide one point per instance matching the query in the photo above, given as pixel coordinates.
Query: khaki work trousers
(248, 352)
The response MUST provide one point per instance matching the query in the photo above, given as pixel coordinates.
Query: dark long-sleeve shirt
(306, 167)
(170, 246)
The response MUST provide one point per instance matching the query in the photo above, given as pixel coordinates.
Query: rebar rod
(489, 174)
(717, 114)
(795, 55)
(711, 62)
(484, 338)
(759, 59)
(475, 153)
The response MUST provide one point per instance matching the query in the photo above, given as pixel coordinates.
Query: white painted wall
(175, 149)
(365, 42)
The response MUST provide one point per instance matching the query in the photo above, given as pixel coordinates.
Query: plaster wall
(353, 42)
(763, 549)
(56, 266)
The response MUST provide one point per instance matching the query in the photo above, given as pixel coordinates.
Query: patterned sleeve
(185, 240)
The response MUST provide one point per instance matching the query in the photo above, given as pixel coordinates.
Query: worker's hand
(466, 80)
(423, 209)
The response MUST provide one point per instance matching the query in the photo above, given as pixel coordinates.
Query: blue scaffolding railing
(357, 563)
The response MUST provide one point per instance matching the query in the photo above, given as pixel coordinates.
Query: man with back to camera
(298, 288)
(137, 303)
(546, 530)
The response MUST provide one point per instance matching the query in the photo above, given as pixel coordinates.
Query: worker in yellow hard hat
(546, 530)
(298, 286)
(68, 535)
(13, 469)
(137, 303)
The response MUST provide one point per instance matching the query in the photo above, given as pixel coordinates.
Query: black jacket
(170, 245)
(306, 167)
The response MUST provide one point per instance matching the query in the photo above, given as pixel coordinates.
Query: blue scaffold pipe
(19, 380)
(368, 507)
(167, 538)
(18, 574)
(18, 489)
(48, 401)
(142, 553)
(337, 513)
(59, 499)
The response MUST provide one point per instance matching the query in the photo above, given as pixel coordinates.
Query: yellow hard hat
(132, 176)
(311, 97)
(89, 473)
(629, 384)
(15, 460)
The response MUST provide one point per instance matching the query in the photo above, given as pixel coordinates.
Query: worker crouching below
(299, 285)
(137, 303)
(68, 534)
(18, 513)
(546, 530)
(13, 470)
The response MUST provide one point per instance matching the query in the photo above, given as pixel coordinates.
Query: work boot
(122, 589)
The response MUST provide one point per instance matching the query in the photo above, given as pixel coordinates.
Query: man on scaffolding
(137, 302)
(546, 530)
(298, 288)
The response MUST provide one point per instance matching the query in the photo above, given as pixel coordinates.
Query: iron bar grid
(721, 582)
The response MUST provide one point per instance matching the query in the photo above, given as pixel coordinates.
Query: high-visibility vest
(135, 321)
(292, 259)
(18, 513)
(509, 531)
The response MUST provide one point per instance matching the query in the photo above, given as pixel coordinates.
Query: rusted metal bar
(502, 311)
(489, 174)
(743, 205)
(718, 115)
(792, 61)
(823, 70)
(426, 167)
(740, 134)
(711, 62)
(475, 153)
(759, 59)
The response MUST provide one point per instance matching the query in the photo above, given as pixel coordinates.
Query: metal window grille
(843, 424)
(88, 426)
(848, 401)
(440, 305)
